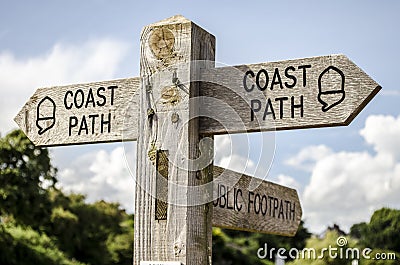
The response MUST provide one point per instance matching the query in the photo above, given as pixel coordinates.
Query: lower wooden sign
(268, 208)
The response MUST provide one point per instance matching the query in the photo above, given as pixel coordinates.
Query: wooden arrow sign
(269, 208)
(304, 93)
(313, 92)
(82, 113)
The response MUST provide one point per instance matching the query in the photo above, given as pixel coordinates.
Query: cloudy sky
(342, 174)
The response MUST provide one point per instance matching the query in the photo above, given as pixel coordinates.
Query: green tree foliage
(383, 230)
(25, 246)
(25, 172)
(326, 251)
(120, 246)
(239, 247)
(87, 231)
(39, 224)
(359, 230)
(237, 250)
(371, 244)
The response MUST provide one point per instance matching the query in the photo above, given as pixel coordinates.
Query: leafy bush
(23, 245)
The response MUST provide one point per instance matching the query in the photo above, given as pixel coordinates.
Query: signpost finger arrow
(304, 93)
(82, 113)
(269, 208)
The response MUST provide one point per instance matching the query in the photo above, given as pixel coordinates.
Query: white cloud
(237, 163)
(101, 175)
(308, 156)
(20, 77)
(346, 187)
(381, 132)
(288, 181)
(246, 153)
(232, 151)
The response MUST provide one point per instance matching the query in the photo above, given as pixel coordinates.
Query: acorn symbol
(45, 115)
(331, 88)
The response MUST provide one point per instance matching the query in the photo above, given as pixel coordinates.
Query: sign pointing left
(82, 113)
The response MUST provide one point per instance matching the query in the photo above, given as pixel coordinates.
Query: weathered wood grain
(166, 124)
(267, 208)
(96, 112)
(294, 96)
(290, 100)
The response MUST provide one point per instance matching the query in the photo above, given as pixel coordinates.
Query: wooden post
(168, 142)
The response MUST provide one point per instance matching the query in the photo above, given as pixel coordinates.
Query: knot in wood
(161, 42)
(170, 95)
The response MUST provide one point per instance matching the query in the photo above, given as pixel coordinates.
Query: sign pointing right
(303, 93)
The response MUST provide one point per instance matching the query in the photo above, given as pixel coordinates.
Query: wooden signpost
(168, 141)
(80, 114)
(176, 105)
(269, 208)
(314, 92)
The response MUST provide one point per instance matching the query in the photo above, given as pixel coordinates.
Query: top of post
(174, 41)
(173, 21)
(177, 19)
